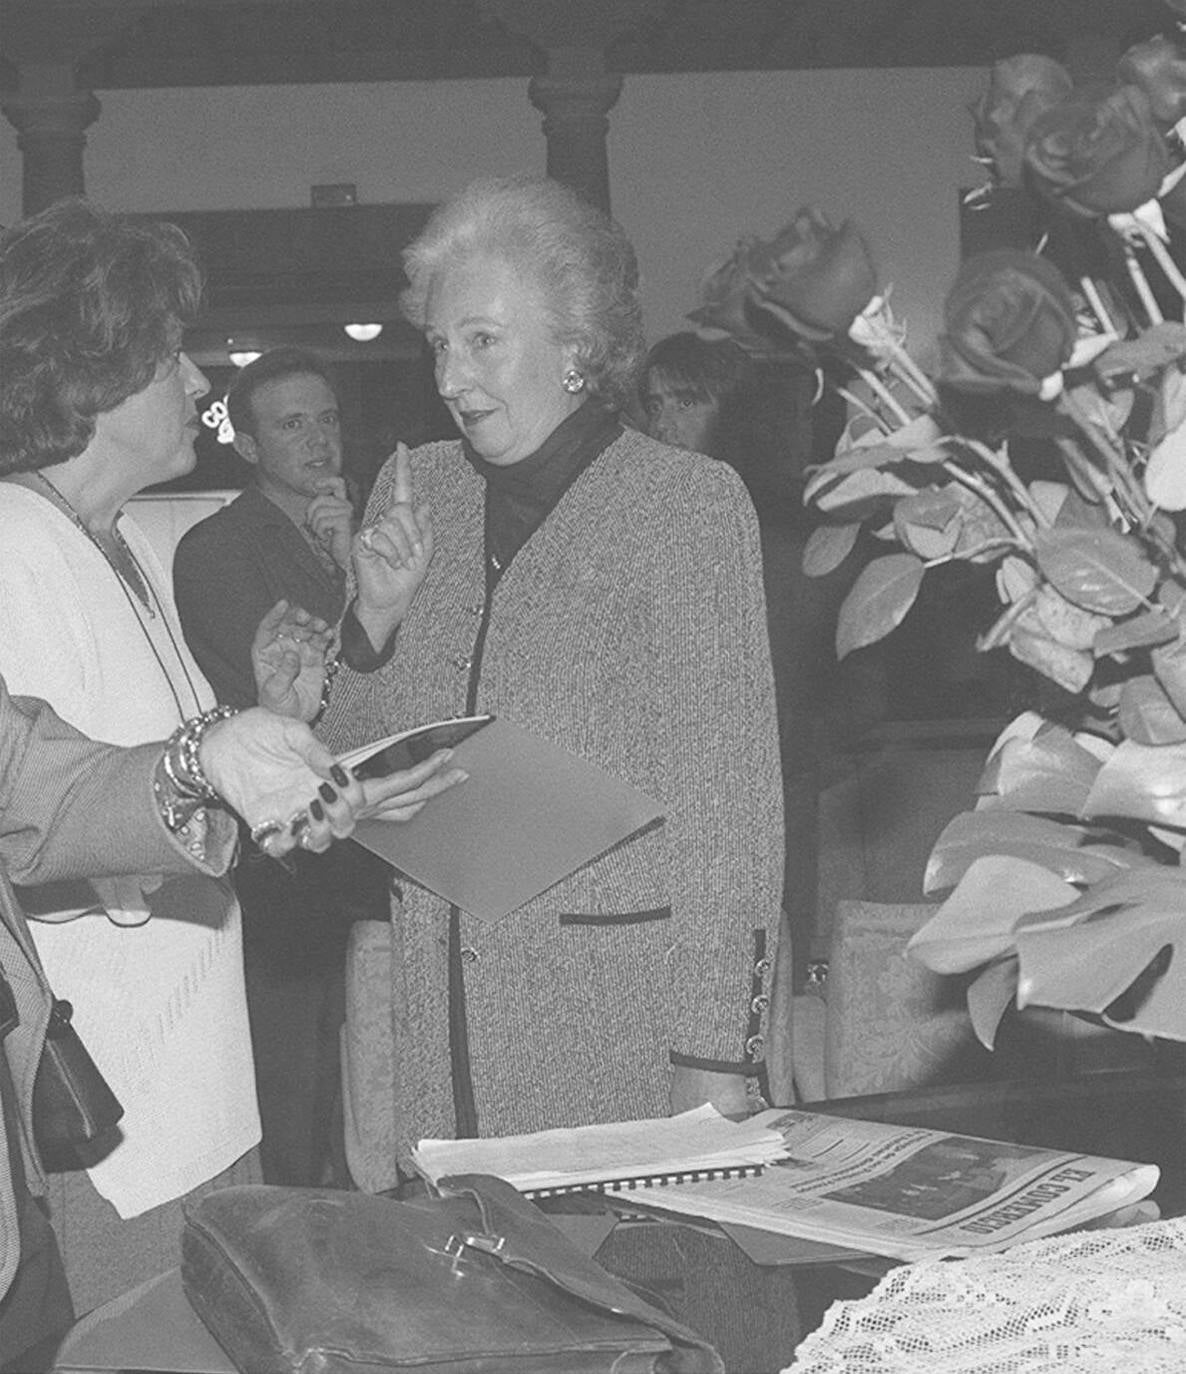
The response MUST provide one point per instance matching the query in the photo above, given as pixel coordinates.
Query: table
(1130, 1115)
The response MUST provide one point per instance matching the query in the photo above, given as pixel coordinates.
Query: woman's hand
(399, 796)
(329, 518)
(391, 558)
(290, 789)
(692, 1087)
(281, 779)
(288, 658)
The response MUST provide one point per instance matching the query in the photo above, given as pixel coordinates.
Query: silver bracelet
(181, 763)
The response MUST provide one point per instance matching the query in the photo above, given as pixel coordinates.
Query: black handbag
(475, 1281)
(73, 1105)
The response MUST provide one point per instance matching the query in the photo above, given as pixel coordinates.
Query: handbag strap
(515, 1232)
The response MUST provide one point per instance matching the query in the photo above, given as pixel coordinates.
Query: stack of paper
(692, 1146)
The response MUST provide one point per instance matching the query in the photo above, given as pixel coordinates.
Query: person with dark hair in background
(97, 402)
(287, 536)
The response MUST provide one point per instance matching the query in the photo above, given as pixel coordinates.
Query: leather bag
(72, 1102)
(475, 1281)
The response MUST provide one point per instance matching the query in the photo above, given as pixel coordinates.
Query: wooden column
(577, 89)
(51, 116)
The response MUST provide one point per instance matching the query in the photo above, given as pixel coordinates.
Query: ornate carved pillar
(51, 115)
(577, 90)
(575, 109)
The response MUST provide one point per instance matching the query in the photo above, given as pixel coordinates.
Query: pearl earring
(573, 381)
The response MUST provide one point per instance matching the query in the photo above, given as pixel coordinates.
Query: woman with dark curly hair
(604, 591)
(97, 401)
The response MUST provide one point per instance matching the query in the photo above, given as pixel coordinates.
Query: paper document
(694, 1144)
(528, 815)
(911, 1193)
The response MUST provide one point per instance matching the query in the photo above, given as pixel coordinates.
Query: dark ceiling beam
(145, 43)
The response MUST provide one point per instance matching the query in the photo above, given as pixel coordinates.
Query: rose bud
(724, 300)
(1158, 67)
(1009, 324)
(1019, 89)
(1098, 157)
(819, 276)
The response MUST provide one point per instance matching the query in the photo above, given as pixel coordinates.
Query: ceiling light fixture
(363, 333)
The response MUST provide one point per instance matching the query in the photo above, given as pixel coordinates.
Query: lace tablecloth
(1096, 1302)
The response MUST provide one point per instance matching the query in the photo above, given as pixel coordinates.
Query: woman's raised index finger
(402, 490)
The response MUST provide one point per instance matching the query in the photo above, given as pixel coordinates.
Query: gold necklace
(137, 582)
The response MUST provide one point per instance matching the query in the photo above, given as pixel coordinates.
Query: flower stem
(1004, 469)
(990, 499)
(1096, 301)
(1141, 283)
(885, 395)
(1162, 256)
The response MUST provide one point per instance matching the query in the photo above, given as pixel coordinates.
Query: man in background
(288, 536)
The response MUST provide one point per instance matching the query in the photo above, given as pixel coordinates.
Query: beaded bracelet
(181, 763)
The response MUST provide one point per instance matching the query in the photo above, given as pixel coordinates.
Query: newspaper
(911, 1193)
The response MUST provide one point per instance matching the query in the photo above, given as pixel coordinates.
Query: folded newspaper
(618, 1155)
(911, 1193)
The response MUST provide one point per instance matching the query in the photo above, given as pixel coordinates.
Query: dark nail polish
(327, 792)
(339, 775)
(316, 810)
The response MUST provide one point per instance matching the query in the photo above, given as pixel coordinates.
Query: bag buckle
(461, 1241)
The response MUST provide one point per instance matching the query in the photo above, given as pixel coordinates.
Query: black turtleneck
(520, 496)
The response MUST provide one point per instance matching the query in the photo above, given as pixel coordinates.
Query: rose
(1009, 323)
(1158, 67)
(1019, 89)
(820, 278)
(1098, 157)
(724, 300)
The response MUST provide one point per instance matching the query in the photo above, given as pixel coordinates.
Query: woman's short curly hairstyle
(579, 258)
(90, 304)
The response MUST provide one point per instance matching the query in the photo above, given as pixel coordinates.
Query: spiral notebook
(622, 1156)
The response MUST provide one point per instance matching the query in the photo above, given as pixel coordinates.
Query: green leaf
(827, 547)
(1140, 632)
(1144, 782)
(928, 523)
(989, 997)
(1050, 772)
(1071, 851)
(976, 923)
(1148, 353)
(1099, 570)
(1117, 951)
(866, 487)
(878, 602)
(1169, 668)
(1147, 715)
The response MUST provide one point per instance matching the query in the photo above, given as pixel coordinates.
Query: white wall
(696, 161)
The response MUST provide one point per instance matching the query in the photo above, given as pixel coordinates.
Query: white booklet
(528, 815)
(612, 1156)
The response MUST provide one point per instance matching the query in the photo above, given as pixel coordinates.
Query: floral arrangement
(1049, 444)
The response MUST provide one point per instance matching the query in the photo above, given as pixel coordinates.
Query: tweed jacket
(69, 808)
(630, 629)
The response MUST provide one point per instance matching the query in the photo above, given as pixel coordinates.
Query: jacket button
(763, 967)
(462, 662)
(759, 1003)
(754, 1047)
(469, 955)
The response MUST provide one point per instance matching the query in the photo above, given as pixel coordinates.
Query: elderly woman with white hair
(604, 591)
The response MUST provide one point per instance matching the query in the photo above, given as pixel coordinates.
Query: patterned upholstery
(889, 1024)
